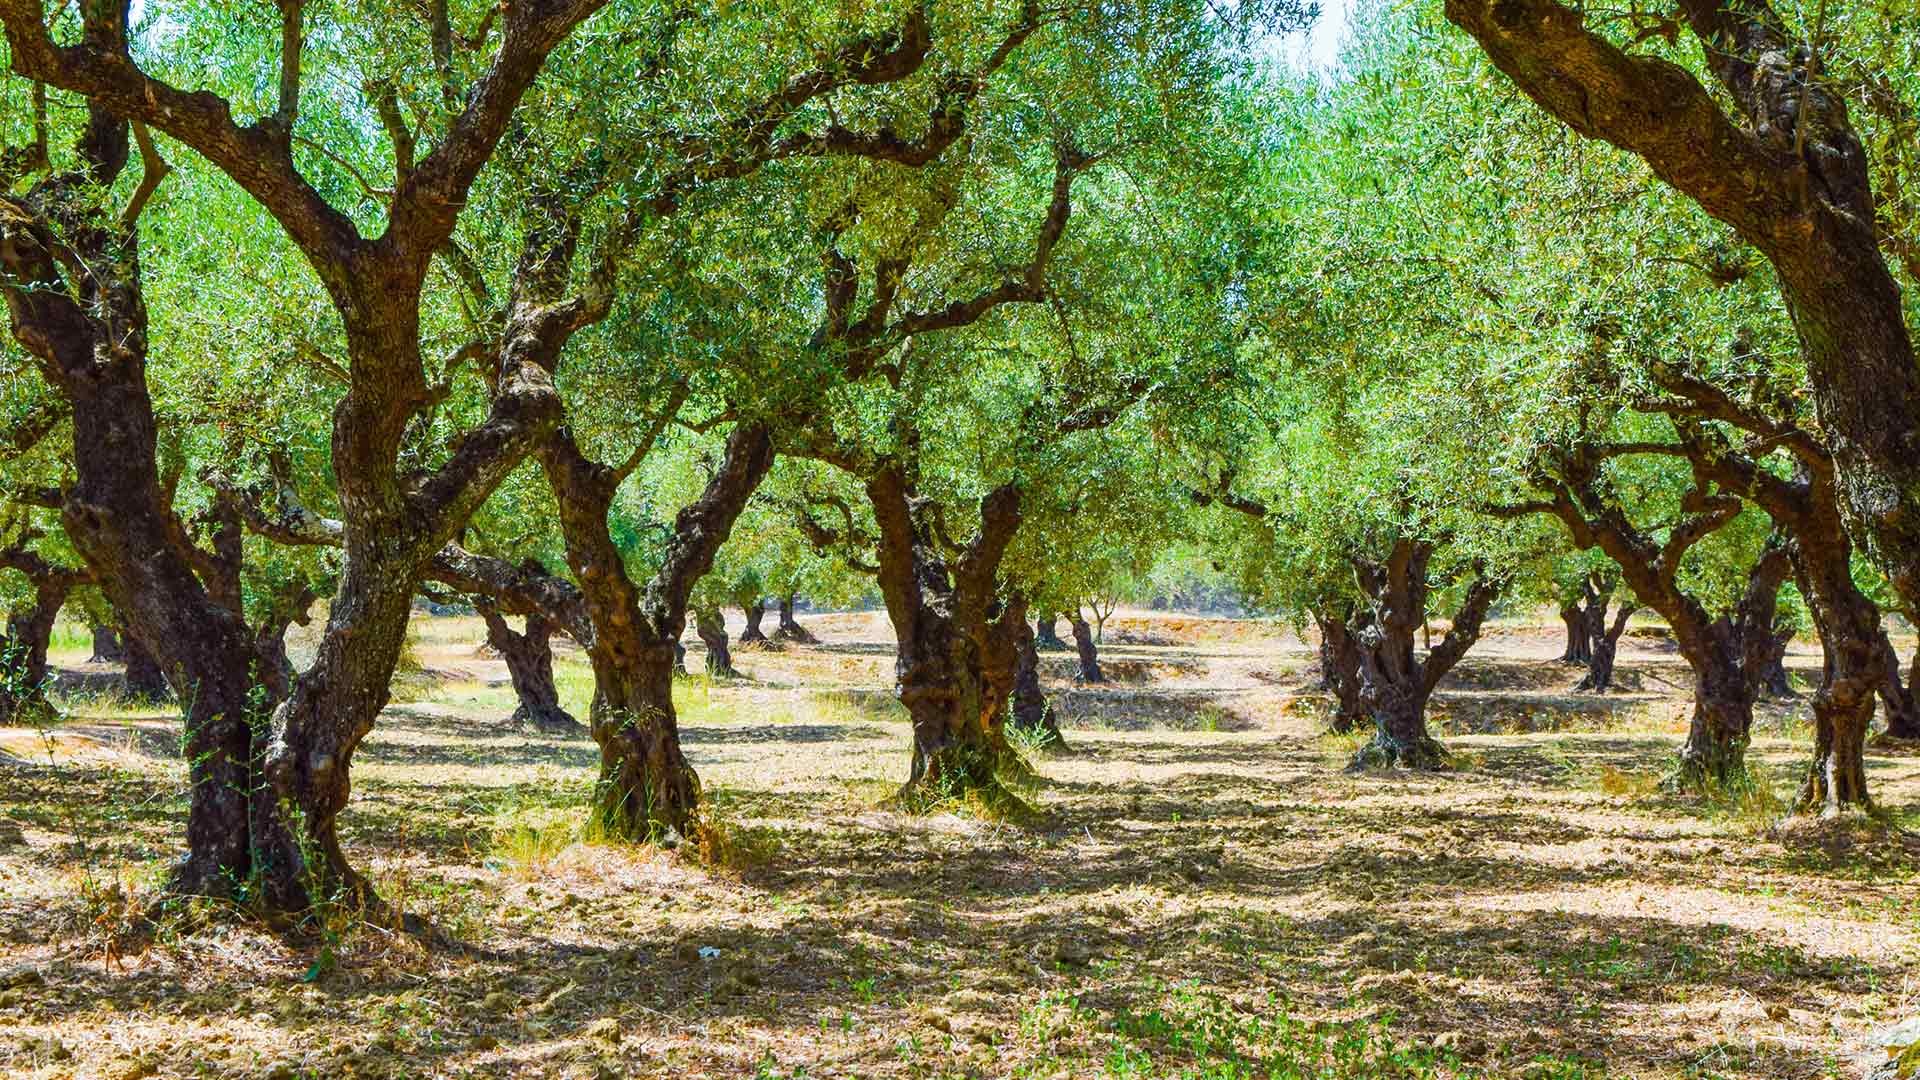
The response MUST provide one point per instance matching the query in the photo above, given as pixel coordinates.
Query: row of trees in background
(1002, 312)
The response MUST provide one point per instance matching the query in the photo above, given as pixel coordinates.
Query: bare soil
(1203, 891)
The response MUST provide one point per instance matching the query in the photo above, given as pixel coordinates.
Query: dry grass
(1202, 894)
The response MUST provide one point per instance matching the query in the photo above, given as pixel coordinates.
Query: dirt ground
(1205, 893)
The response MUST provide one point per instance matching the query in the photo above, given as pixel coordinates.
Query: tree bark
(1903, 710)
(1579, 649)
(646, 791)
(1789, 174)
(1047, 635)
(756, 611)
(1727, 655)
(1088, 652)
(24, 674)
(529, 659)
(1340, 665)
(789, 628)
(107, 648)
(145, 679)
(712, 629)
(942, 620)
(1395, 686)
(1604, 646)
(1033, 715)
(89, 338)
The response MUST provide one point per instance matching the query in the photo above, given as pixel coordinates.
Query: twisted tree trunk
(756, 610)
(789, 628)
(1340, 665)
(1033, 716)
(107, 648)
(529, 659)
(1047, 635)
(24, 675)
(712, 630)
(1579, 648)
(1087, 650)
(1726, 656)
(646, 790)
(1395, 686)
(1902, 699)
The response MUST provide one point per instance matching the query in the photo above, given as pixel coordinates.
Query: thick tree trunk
(24, 675)
(1774, 683)
(646, 791)
(756, 611)
(1603, 641)
(107, 647)
(1902, 699)
(1726, 656)
(789, 628)
(89, 339)
(1340, 667)
(712, 629)
(1395, 687)
(1033, 716)
(1088, 652)
(145, 680)
(529, 659)
(1716, 747)
(1047, 633)
(1579, 649)
(942, 619)
(1853, 672)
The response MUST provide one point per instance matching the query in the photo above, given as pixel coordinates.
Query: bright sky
(1319, 47)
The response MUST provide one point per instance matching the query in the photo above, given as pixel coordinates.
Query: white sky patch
(1317, 50)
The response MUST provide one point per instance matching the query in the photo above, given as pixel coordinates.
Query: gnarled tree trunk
(712, 629)
(24, 674)
(145, 680)
(1726, 656)
(107, 648)
(1087, 651)
(1047, 632)
(943, 617)
(756, 610)
(1033, 716)
(1395, 687)
(1340, 665)
(1579, 645)
(646, 791)
(529, 659)
(789, 628)
(1902, 699)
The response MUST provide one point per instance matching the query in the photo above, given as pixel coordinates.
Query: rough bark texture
(1033, 715)
(1340, 632)
(756, 611)
(107, 647)
(24, 675)
(145, 679)
(646, 790)
(942, 615)
(1899, 697)
(1579, 648)
(1047, 633)
(1394, 685)
(1601, 640)
(1727, 655)
(529, 658)
(89, 338)
(1789, 174)
(1087, 651)
(789, 628)
(712, 629)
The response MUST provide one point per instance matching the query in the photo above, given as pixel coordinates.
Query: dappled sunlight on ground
(1205, 888)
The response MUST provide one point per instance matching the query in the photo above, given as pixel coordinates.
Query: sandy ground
(1204, 893)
